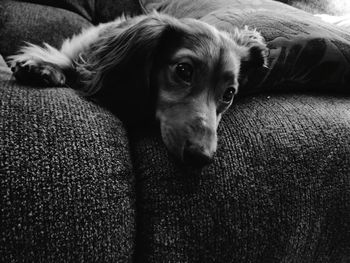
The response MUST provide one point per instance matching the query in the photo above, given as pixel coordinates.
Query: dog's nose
(196, 156)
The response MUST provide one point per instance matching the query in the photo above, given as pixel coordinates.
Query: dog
(182, 73)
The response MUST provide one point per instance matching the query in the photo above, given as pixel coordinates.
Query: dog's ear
(117, 69)
(253, 50)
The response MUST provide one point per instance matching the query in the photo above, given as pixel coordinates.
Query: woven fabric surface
(95, 11)
(278, 191)
(20, 22)
(66, 181)
(84, 8)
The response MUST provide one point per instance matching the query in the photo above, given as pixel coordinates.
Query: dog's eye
(184, 71)
(228, 95)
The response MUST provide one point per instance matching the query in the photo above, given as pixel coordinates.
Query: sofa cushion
(96, 11)
(305, 52)
(84, 8)
(66, 178)
(20, 22)
(278, 191)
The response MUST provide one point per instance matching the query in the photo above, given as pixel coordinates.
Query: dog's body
(184, 73)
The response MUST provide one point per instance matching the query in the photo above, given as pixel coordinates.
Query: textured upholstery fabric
(305, 52)
(279, 190)
(66, 182)
(36, 24)
(39, 21)
(96, 11)
(84, 8)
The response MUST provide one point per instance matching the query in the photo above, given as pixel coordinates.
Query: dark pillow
(107, 10)
(305, 52)
(66, 178)
(36, 24)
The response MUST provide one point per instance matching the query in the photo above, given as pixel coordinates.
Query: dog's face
(197, 78)
(192, 71)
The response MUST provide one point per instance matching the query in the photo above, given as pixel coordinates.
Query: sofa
(78, 185)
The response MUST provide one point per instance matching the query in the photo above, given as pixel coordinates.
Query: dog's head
(185, 73)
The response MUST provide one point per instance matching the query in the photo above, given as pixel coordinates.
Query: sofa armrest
(66, 180)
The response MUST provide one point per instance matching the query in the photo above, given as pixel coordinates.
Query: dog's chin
(176, 151)
(176, 141)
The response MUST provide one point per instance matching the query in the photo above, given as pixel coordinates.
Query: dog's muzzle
(200, 143)
(197, 155)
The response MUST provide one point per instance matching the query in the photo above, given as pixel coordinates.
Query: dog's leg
(48, 65)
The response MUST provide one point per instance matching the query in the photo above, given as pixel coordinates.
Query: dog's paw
(36, 72)
(254, 46)
(248, 37)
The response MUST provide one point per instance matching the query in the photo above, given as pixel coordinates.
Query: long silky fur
(112, 51)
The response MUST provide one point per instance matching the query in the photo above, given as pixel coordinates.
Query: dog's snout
(196, 155)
